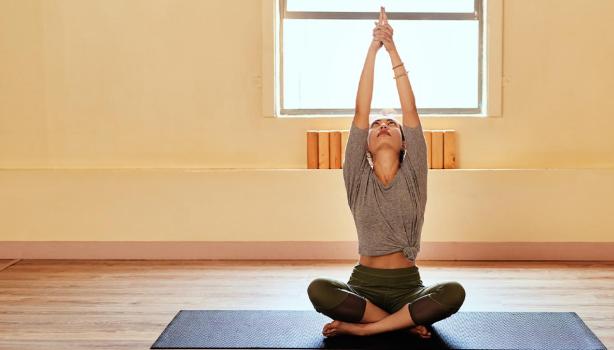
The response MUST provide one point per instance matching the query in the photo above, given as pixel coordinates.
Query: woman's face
(384, 133)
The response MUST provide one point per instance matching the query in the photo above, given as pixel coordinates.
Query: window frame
(489, 58)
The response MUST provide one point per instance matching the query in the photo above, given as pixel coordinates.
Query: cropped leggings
(390, 289)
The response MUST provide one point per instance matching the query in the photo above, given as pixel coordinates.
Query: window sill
(423, 116)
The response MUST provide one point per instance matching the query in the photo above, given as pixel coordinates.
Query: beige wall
(515, 205)
(152, 83)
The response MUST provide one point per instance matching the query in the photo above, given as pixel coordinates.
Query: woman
(387, 200)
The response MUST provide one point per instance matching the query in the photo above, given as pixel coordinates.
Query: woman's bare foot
(420, 330)
(339, 327)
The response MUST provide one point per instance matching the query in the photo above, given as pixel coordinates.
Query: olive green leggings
(390, 289)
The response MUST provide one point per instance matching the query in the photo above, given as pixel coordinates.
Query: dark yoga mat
(297, 329)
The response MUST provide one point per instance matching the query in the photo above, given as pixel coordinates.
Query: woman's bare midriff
(394, 260)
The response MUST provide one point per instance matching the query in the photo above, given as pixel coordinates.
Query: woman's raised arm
(406, 94)
(365, 86)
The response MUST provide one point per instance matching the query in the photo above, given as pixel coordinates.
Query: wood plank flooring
(125, 304)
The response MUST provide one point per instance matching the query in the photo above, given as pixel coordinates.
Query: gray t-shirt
(388, 218)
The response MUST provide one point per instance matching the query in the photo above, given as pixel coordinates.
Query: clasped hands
(382, 33)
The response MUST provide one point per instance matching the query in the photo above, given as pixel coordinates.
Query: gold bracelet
(398, 65)
(400, 75)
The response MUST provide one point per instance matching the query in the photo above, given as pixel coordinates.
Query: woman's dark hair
(403, 151)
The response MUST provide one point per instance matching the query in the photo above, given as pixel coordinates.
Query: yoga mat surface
(302, 329)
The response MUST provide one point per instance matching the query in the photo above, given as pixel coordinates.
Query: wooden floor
(119, 304)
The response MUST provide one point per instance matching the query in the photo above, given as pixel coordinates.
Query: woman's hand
(377, 43)
(382, 33)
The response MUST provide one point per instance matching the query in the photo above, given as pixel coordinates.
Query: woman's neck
(386, 169)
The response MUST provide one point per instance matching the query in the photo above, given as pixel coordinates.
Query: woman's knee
(336, 300)
(324, 293)
(451, 294)
(445, 300)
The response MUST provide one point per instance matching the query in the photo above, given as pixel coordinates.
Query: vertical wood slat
(429, 147)
(345, 134)
(312, 149)
(449, 149)
(437, 149)
(334, 149)
(323, 145)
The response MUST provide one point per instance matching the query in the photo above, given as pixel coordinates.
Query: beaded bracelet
(400, 75)
(398, 65)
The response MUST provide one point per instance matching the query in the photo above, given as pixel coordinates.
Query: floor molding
(5, 266)
(298, 250)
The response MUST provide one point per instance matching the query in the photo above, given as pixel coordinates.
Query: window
(323, 44)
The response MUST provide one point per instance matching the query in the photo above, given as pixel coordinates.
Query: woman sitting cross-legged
(385, 174)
